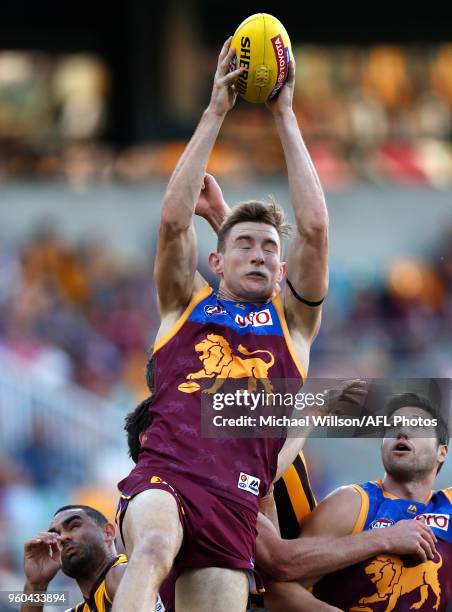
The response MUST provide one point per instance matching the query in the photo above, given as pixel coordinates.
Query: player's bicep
(336, 515)
(307, 271)
(175, 267)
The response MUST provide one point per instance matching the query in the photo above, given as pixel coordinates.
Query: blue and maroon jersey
(391, 582)
(213, 341)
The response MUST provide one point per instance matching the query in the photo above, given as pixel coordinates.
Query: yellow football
(263, 49)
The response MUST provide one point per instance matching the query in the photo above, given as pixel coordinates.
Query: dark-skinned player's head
(87, 539)
(409, 451)
(249, 250)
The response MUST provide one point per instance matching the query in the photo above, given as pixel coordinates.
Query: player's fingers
(291, 75)
(224, 49)
(225, 64)
(427, 548)
(420, 553)
(229, 79)
(429, 535)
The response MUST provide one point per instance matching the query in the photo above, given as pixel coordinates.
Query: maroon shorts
(217, 532)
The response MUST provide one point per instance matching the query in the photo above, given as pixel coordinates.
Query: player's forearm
(30, 588)
(185, 183)
(307, 195)
(310, 557)
(288, 453)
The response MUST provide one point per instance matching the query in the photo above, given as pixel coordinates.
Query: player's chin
(255, 290)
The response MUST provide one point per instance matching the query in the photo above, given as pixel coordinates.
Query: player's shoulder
(447, 492)
(344, 494)
(337, 514)
(114, 575)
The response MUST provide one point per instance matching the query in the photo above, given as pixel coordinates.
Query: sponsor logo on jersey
(381, 523)
(249, 483)
(214, 309)
(431, 519)
(159, 607)
(256, 319)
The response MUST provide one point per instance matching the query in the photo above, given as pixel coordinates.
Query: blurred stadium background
(95, 107)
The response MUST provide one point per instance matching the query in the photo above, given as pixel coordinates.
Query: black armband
(301, 299)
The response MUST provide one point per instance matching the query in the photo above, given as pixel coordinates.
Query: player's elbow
(172, 222)
(279, 567)
(315, 229)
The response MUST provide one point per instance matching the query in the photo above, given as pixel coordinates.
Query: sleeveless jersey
(389, 582)
(212, 341)
(294, 498)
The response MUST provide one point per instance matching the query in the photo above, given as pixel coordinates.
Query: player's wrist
(282, 112)
(382, 541)
(33, 587)
(215, 112)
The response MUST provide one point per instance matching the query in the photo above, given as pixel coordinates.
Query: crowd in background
(369, 114)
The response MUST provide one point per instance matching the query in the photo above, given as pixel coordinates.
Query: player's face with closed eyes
(251, 262)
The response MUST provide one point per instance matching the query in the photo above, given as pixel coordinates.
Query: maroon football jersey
(213, 341)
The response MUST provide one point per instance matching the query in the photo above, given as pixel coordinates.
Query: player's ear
(216, 262)
(282, 271)
(443, 449)
(142, 437)
(109, 532)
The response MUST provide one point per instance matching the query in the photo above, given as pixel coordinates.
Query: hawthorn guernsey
(263, 49)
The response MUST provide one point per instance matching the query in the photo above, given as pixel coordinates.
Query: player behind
(183, 480)
(81, 542)
(379, 557)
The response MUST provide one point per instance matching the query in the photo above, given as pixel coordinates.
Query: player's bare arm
(327, 542)
(176, 257)
(113, 578)
(307, 259)
(42, 561)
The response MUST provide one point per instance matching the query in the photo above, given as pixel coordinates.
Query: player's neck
(225, 294)
(416, 490)
(86, 584)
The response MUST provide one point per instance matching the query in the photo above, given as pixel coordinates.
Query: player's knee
(155, 549)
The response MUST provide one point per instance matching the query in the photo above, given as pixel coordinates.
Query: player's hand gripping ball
(263, 49)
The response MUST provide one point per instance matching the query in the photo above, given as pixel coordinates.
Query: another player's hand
(211, 204)
(42, 558)
(284, 99)
(349, 392)
(410, 537)
(224, 93)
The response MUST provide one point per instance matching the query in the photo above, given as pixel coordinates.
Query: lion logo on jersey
(393, 580)
(219, 362)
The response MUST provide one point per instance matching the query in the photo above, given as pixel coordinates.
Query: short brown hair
(258, 212)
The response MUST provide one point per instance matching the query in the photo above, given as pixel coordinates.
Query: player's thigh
(212, 588)
(153, 513)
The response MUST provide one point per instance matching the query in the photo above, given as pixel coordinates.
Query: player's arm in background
(327, 542)
(176, 257)
(307, 258)
(286, 596)
(42, 561)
